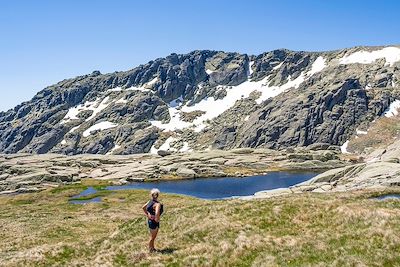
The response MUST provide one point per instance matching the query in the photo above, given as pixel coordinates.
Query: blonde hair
(154, 191)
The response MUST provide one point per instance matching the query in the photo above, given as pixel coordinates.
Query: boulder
(319, 146)
(273, 193)
(164, 153)
(186, 173)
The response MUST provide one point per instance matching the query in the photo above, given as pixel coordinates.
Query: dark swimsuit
(150, 209)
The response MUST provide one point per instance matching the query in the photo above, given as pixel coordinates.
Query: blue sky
(42, 42)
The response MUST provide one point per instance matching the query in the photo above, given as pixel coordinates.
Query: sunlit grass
(341, 229)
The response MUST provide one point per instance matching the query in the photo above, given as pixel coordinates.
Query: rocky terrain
(209, 100)
(22, 173)
(209, 114)
(380, 171)
(213, 113)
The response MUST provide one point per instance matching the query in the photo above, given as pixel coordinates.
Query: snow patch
(343, 148)
(74, 111)
(361, 132)
(214, 107)
(368, 86)
(175, 122)
(94, 106)
(113, 149)
(278, 66)
(185, 148)
(176, 102)
(390, 54)
(393, 109)
(97, 109)
(99, 127)
(268, 92)
(63, 142)
(246, 118)
(200, 127)
(74, 129)
(318, 65)
(372, 160)
(208, 71)
(116, 89)
(250, 69)
(166, 146)
(153, 81)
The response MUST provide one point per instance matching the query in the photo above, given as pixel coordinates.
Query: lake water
(211, 188)
(87, 192)
(91, 200)
(227, 187)
(388, 196)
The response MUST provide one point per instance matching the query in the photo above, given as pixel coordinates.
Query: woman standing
(153, 210)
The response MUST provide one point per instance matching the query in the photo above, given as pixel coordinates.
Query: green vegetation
(380, 134)
(341, 229)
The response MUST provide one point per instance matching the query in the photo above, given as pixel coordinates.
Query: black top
(150, 207)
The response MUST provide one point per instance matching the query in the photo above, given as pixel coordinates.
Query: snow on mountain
(390, 54)
(280, 98)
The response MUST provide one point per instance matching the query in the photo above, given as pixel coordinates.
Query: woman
(153, 210)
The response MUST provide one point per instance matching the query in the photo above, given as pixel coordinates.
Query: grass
(380, 134)
(94, 195)
(341, 229)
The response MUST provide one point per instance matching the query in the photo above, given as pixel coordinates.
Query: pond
(219, 188)
(388, 196)
(84, 197)
(85, 201)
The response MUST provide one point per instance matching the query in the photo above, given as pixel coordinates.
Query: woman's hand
(150, 217)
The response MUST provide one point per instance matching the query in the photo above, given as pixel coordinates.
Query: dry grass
(299, 230)
(380, 134)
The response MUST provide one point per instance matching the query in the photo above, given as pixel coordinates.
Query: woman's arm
(148, 215)
(158, 211)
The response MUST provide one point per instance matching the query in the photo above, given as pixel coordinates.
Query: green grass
(341, 229)
(101, 193)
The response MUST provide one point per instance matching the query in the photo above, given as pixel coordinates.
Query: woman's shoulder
(159, 204)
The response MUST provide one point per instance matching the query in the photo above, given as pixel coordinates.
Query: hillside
(209, 100)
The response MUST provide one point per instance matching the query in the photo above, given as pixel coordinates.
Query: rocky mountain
(210, 99)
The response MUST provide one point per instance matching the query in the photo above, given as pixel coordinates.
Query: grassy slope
(309, 229)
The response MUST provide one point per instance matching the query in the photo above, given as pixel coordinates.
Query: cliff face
(209, 99)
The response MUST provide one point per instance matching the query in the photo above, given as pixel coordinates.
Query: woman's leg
(153, 235)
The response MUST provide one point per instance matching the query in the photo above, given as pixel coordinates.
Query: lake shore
(23, 173)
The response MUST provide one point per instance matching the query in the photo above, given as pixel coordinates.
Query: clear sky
(42, 42)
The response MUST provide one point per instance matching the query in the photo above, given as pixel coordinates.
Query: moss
(120, 259)
(62, 257)
(61, 189)
(19, 202)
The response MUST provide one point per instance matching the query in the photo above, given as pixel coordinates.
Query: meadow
(308, 229)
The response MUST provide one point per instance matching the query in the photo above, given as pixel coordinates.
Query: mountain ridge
(187, 98)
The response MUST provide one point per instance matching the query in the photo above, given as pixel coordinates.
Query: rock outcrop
(27, 173)
(204, 99)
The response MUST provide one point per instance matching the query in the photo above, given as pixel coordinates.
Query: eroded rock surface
(26, 173)
(208, 99)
